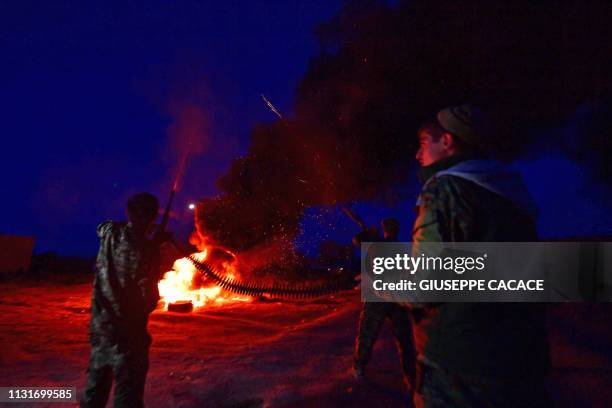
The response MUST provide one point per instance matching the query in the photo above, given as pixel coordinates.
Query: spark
(272, 107)
(191, 206)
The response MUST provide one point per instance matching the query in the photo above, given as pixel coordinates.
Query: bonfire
(182, 288)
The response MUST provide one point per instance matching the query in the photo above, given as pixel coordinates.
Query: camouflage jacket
(125, 283)
(468, 199)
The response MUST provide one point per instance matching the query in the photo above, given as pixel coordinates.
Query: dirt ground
(268, 354)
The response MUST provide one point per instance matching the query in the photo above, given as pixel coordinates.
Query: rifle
(161, 230)
(367, 233)
(353, 216)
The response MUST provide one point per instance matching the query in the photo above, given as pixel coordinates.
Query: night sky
(88, 92)
(92, 98)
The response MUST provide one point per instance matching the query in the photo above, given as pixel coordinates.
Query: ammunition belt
(274, 291)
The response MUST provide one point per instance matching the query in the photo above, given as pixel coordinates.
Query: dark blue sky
(89, 92)
(86, 99)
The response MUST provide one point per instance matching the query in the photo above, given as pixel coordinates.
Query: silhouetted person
(124, 294)
(373, 316)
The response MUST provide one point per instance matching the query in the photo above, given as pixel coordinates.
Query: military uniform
(477, 354)
(373, 315)
(124, 294)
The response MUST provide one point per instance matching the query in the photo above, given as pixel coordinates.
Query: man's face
(431, 151)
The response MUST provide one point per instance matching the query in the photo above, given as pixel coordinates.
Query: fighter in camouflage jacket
(125, 285)
(475, 200)
(474, 354)
(124, 294)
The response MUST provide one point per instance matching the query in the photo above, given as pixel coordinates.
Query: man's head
(457, 130)
(142, 209)
(390, 227)
(435, 144)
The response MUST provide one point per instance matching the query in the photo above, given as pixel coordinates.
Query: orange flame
(178, 284)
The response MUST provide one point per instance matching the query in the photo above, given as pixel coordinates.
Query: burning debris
(183, 286)
(212, 278)
(193, 283)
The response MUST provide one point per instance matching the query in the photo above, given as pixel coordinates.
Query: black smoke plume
(381, 71)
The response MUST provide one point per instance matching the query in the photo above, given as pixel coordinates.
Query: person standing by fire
(474, 354)
(374, 314)
(124, 294)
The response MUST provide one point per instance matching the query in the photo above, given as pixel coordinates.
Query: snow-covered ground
(277, 354)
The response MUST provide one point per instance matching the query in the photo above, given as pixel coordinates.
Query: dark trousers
(438, 388)
(127, 365)
(373, 315)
